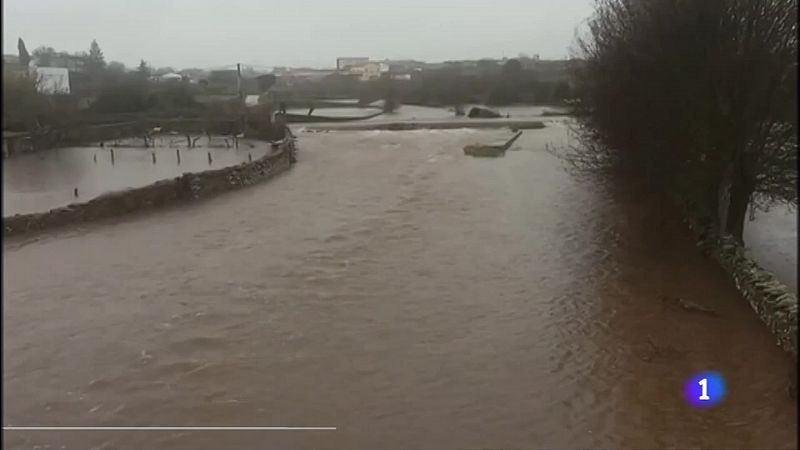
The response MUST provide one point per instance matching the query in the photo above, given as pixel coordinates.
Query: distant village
(47, 90)
(63, 73)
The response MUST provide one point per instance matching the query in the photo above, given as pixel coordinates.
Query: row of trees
(23, 106)
(450, 86)
(512, 84)
(447, 87)
(700, 97)
(93, 61)
(115, 89)
(27, 109)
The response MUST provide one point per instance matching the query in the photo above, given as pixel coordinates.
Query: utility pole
(239, 81)
(242, 105)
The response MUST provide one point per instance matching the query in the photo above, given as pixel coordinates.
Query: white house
(373, 71)
(53, 80)
(251, 100)
(343, 64)
(171, 77)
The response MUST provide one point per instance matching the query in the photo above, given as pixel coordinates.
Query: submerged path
(395, 289)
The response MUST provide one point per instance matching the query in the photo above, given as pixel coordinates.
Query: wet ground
(399, 291)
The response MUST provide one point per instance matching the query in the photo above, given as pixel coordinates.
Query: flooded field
(771, 239)
(37, 182)
(399, 291)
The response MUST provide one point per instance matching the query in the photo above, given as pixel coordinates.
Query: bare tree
(24, 107)
(698, 96)
(44, 56)
(24, 57)
(117, 67)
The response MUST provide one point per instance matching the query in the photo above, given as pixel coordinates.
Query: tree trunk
(723, 198)
(740, 192)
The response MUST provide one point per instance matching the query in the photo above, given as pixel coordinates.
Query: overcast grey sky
(208, 33)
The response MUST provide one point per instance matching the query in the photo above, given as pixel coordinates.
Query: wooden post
(76, 192)
(95, 158)
(112, 156)
(209, 158)
(178, 152)
(250, 157)
(154, 157)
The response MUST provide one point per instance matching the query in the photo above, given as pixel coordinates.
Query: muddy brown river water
(399, 291)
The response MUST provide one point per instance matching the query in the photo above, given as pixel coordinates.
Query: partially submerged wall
(305, 118)
(432, 125)
(773, 301)
(491, 150)
(187, 187)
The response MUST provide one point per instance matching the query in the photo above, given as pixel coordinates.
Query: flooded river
(399, 291)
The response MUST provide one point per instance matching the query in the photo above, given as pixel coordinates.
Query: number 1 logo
(704, 389)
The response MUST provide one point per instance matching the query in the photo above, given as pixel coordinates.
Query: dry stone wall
(187, 187)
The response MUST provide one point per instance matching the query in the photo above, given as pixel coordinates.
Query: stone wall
(187, 187)
(513, 124)
(774, 303)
